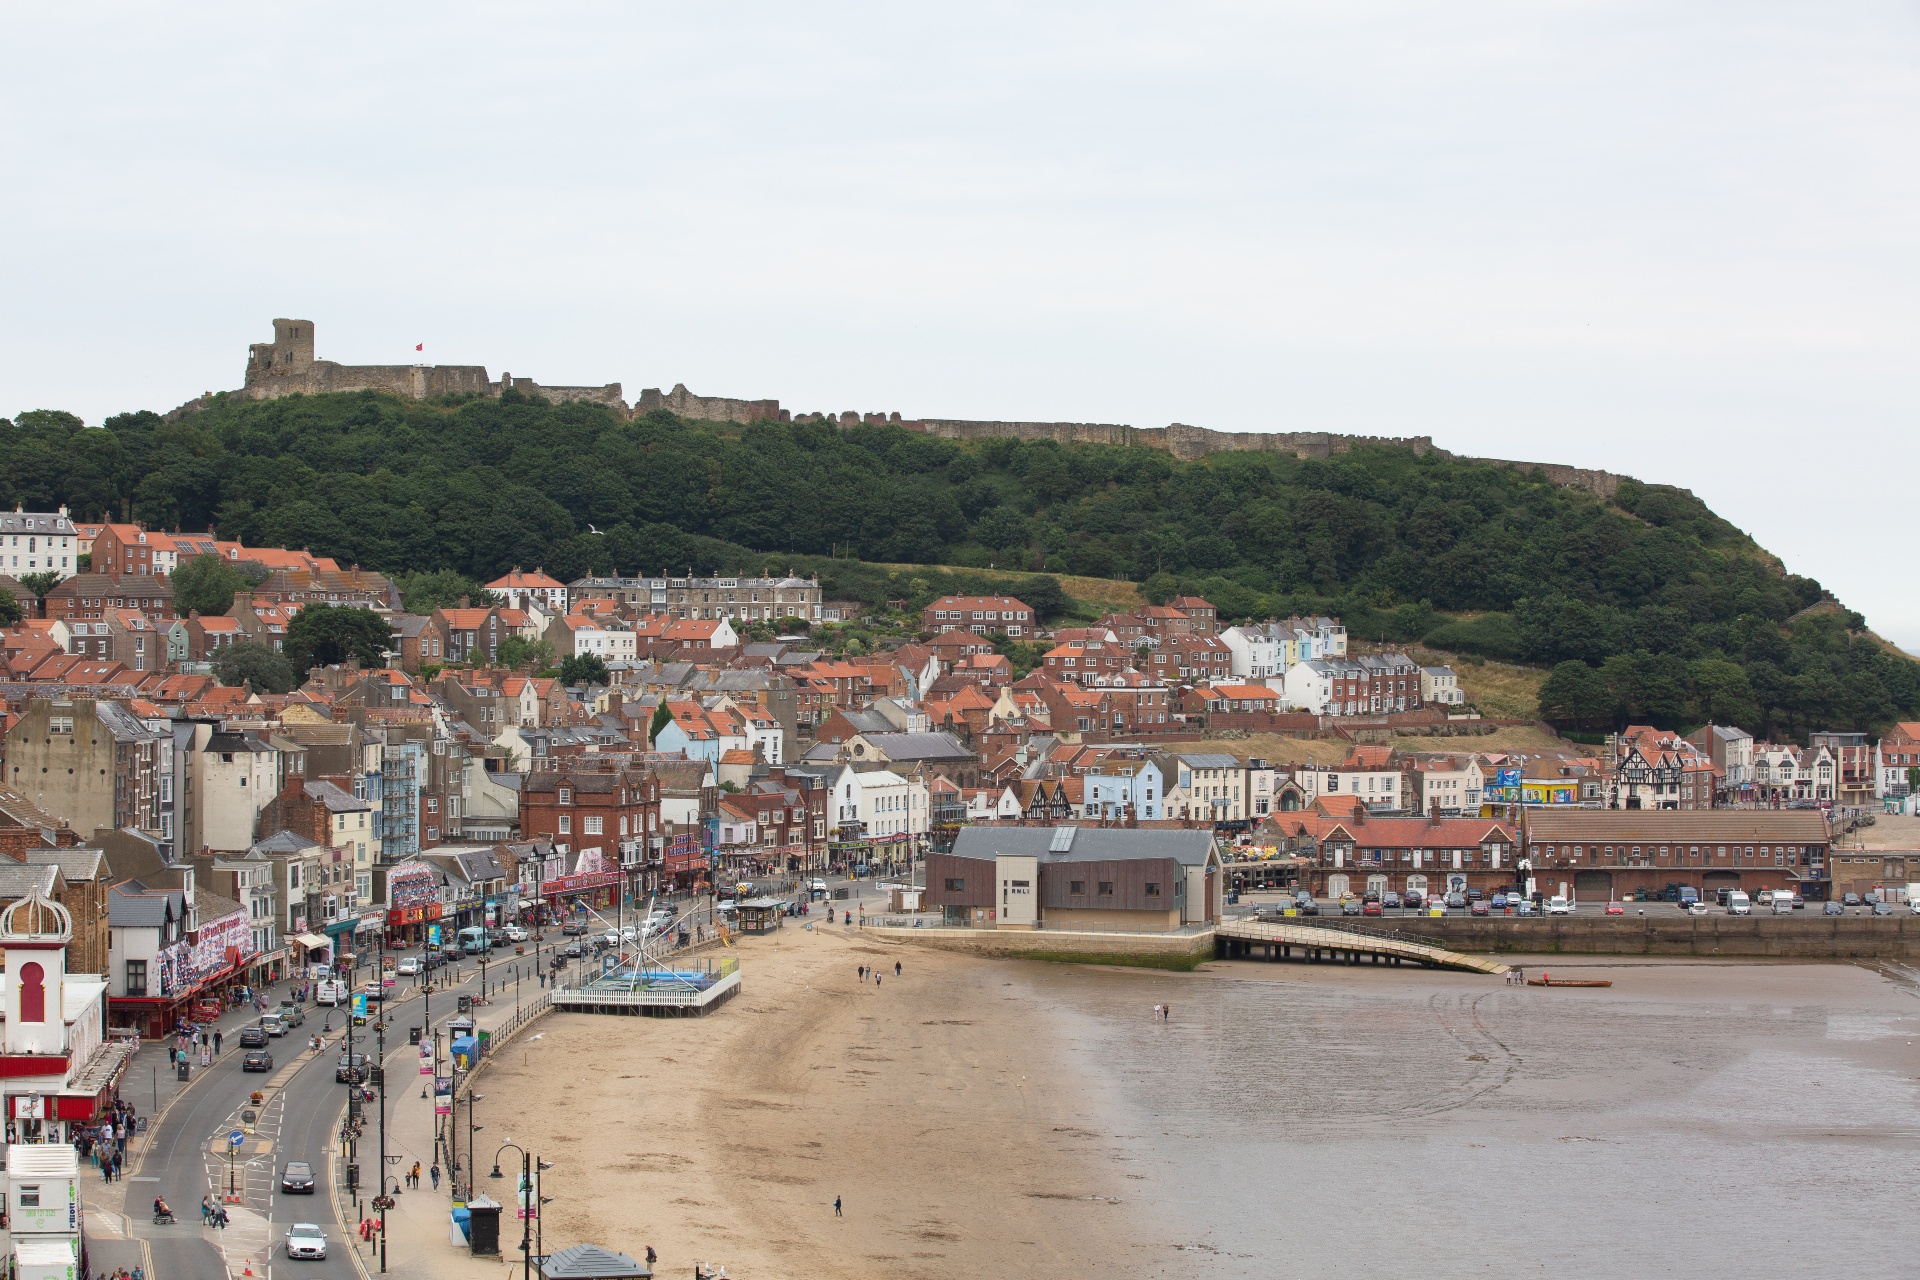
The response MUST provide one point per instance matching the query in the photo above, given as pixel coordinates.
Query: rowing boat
(1568, 982)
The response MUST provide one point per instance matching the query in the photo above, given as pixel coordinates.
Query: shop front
(413, 903)
(685, 863)
(591, 889)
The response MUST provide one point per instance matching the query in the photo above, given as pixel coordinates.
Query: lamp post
(472, 1129)
(529, 1199)
(380, 1074)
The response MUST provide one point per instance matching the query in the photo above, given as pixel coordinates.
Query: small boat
(1568, 982)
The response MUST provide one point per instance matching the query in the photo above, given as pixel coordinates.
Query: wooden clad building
(1150, 881)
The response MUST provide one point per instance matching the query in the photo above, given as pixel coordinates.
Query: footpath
(420, 1233)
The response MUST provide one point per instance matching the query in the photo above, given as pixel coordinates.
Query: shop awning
(312, 940)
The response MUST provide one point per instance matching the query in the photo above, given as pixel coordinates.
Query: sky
(1673, 240)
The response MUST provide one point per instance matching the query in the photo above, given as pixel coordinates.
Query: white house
(1380, 789)
(886, 806)
(1117, 787)
(37, 542)
(1439, 685)
(1260, 650)
(1309, 686)
(519, 589)
(610, 644)
(1208, 786)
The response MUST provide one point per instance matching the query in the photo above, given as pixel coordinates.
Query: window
(591, 825)
(1106, 888)
(136, 981)
(566, 824)
(566, 795)
(956, 885)
(1077, 887)
(1153, 889)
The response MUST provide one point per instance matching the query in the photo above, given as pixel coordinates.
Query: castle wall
(419, 382)
(608, 396)
(684, 403)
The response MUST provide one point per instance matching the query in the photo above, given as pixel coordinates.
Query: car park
(306, 1241)
(254, 1037)
(297, 1178)
(257, 1060)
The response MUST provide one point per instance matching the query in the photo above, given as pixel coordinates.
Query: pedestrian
(652, 1257)
(434, 1173)
(896, 968)
(876, 979)
(1166, 1012)
(216, 1044)
(416, 1174)
(836, 1207)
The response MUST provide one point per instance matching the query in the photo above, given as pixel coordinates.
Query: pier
(1316, 943)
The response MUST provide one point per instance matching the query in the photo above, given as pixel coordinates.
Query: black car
(297, 1178)
(253, 1038)
(257, 1060)
(573, 950)
(573, 928)
(1308, 907)
(1883, 908)
(1833, 909)
(1351, 907)
(354, 1072)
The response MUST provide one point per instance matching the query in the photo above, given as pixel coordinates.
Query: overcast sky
(1673, 240)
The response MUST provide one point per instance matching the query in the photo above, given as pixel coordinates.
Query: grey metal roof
(335, 799)
(123, 724)
(919, 746)
(1087, 844)
(1209, 760)
(285, 842)
(18, 879)
(74, 864)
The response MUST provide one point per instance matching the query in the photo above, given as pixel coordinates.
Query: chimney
(1433, 814)
(465, 601)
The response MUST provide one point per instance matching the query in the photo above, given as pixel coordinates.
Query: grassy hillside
(1647, 606)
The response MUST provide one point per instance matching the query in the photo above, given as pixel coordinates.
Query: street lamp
(529, 1200)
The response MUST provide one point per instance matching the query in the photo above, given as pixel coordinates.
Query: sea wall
(1665, 931)
(1155, 950)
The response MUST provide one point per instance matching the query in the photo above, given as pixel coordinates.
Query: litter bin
(413, 1035)
(483, 1227)
(182, 1069)
(465, 1003)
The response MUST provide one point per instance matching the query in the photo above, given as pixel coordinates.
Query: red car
(1616, 909)
(1372, 909)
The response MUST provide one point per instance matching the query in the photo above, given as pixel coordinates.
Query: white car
(515, 933)
(408, 966)
(1558, 905)
(818, 886)
(304, 1240)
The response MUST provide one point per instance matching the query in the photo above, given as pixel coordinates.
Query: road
(300, 1122)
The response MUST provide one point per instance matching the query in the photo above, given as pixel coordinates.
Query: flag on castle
(419, 346)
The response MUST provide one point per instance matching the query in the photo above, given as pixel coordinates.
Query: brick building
(1612, 853)
(584, 805)
(981, 615)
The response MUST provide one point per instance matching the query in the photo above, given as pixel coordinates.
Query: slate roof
(918, 746)
(1086, 844)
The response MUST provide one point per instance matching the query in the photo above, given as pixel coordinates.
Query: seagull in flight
(590, 528)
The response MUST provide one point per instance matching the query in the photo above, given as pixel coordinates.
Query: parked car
(253, 1037)
(1307, 907)
(1480, 908)
(1524, 907)
(1737, 903)
(1372, 908)
(351, 1072)
(1474, 895)
(514, 933)
(1457, 900)
(1698, 908)
(374, 990)
(1832, 909)
(1782, 905)
(1351, 907)
(257, 1060)
(409, 966)
(1883, 908)
(305, 1240)
(297, 1178)
(1371, 895)
(1498, 902)
(1559, 905)
(1414, 900)
(1849, 899)
(1390, 899)
(1616, 908)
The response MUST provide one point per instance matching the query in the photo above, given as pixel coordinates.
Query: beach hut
(591, 1262)
(761, 915)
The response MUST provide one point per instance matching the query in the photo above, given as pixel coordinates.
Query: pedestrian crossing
(241, 1180)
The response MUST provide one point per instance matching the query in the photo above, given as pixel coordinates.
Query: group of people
(106, 1143)
(212, 1212)
(121, 1273)
(867, 971)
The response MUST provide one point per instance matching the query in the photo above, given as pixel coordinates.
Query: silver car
(305, 1240)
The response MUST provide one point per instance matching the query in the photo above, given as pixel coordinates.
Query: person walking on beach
(896, 968)
(1166, 1012)
(1156, 1011)
(836, 1207)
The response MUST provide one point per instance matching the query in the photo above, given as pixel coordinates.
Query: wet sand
(1012, 1118)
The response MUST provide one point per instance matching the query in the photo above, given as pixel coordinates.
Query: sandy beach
(939, 1105)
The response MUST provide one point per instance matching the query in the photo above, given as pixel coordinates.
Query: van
(1783, 903)
(331, 991)
(1738, 904)
(1558, 905)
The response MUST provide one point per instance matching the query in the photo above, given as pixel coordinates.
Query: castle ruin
(287, 366)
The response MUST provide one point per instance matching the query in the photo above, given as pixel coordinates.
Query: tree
(422, 593)
(661, 719)
(207, 584)
(260, 668)
(1575, 696)
(324, 634)
(40, 583)
(516, 652)
(583, 668)
(9, 609)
